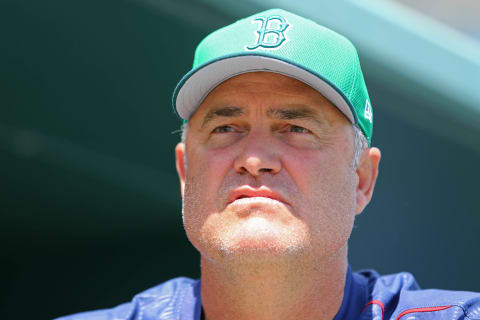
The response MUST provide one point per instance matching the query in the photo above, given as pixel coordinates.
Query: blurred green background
(89, 202)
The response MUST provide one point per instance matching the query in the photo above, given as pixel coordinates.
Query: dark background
(89, 200)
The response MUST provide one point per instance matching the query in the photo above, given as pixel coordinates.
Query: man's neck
(256, 290)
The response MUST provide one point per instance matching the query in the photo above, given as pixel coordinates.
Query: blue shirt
(367, 295)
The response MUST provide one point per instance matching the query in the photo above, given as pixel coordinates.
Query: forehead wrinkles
(289, 112)
(263, 90)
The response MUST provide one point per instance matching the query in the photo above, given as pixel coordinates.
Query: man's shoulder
(159, 302)
(398, 296)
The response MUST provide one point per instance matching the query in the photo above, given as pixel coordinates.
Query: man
(274, 165)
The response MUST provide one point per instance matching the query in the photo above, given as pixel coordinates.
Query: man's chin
(254, 238)
(255, 248)
(254, 255)
(263, 244)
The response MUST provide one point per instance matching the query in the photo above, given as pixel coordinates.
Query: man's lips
(249, 192)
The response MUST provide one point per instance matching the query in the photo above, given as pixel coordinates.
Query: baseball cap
(282, 42)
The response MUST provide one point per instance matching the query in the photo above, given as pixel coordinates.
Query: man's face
(269, 171)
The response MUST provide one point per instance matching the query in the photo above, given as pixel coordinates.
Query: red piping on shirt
(426, 309)
(377, 302)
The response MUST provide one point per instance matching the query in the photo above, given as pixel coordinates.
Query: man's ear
(180, 164)
(367, 172)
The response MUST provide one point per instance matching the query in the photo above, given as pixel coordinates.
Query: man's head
(270, 171)
(271, 143)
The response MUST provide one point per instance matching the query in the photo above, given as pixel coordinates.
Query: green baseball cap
(282, 42)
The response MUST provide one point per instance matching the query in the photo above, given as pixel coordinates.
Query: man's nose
(259, 155)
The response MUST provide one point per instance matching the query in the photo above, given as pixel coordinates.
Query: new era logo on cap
(368, 111)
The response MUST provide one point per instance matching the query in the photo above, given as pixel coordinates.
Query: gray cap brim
(198, 83)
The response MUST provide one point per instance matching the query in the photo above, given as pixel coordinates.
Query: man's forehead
(290, 95)
(280, 112)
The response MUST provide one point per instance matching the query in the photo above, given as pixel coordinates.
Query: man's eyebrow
(222, 112)
(291, 113)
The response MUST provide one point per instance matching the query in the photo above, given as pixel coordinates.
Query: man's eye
(298, 129)
(223, 129)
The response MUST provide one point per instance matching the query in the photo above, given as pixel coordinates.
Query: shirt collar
(354, 297)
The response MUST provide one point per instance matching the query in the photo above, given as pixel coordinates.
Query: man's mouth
(247, 192)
